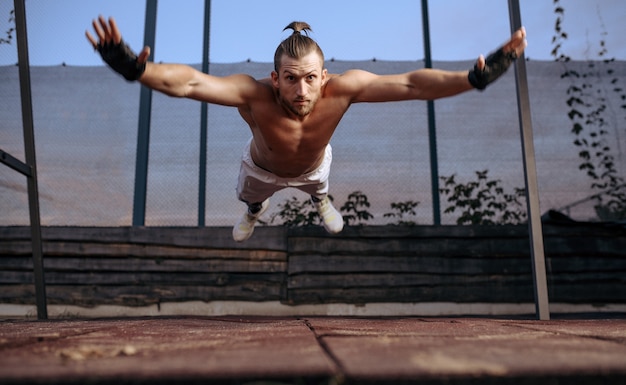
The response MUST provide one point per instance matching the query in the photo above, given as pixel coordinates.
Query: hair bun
(299, 26)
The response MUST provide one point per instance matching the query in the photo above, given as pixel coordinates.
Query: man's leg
(331, 218)
(317, 187)
(250, 189)
(245, 227)
(254, 187)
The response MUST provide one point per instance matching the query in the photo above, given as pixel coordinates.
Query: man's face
(299, 82)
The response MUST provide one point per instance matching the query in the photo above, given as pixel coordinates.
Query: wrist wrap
(495, 65)
(121, 59)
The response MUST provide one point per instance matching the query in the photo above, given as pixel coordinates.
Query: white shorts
(256, 184)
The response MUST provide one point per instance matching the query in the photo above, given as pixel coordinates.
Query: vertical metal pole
(432, 130)
(143, 131)
(29, 147)
(204, 111)
(530, 173)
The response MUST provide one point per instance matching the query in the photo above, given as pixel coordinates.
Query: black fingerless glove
(122, 59)
(495, 65)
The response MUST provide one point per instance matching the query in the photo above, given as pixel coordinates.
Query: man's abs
(286, 163)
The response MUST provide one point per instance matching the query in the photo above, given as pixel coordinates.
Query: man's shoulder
(242, 78)
(251, 87)
(348, 74)
(348, 83)
(265, 81)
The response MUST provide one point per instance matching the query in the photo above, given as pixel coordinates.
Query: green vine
(587, 100)
(9, 32)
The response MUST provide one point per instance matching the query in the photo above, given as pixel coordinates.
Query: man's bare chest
(275, 125)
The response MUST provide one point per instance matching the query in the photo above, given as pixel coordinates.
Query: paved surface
(314, 350)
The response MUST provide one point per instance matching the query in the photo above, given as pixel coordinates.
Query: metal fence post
(432, 128)
(530, 173)
(204, 111)
(143, 130)
(29, 147)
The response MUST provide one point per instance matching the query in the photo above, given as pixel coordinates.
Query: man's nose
(301, 88)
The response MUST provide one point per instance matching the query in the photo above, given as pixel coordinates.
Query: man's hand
(486, 71)
(115, 52)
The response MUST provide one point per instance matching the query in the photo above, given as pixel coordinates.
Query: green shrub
(295, 213)
(401, 211)
(355, 209)
(483, 201)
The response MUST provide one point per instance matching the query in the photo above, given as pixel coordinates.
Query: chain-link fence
(86, 136)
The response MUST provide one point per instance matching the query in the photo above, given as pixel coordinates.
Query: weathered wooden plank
(352, 280)
(22, 293)
(413, 294)
(140, 278)
(402, 264)
(573, 289)
(267, 238)
(591, 263)
(421, 231)
(400, 246)
(95, 249)
(586, 245)
(470, 247)
(591, 278)
(141, 295)
(596, 292)
(441, 265)
(462, 231)
(587, 229)
(144, 264)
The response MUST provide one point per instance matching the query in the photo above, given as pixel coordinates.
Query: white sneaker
(244, 229)
(331, 218)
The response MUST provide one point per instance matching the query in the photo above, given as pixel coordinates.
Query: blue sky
(345, 29)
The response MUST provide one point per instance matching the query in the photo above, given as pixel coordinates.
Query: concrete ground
(582, 349)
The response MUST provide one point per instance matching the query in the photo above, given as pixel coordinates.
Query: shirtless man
(293, 113)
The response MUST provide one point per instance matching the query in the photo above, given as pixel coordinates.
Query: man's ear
(274, 79)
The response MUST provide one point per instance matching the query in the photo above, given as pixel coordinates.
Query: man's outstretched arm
(429, 84)
(172, 79)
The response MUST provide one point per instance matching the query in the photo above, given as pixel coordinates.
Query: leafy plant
(483, 201)
(401, 210)
(354, 209)
(295, 213)
(587, 99)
